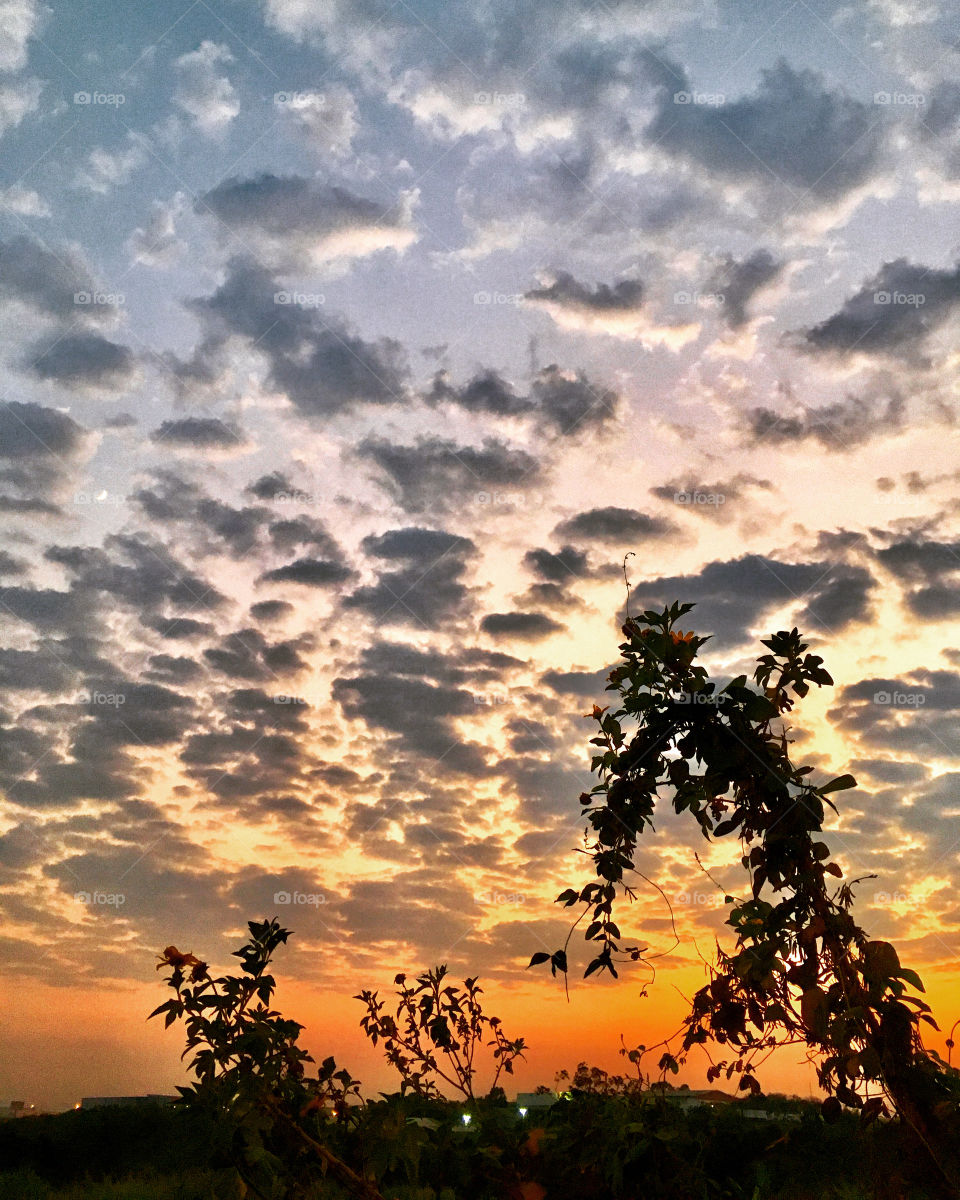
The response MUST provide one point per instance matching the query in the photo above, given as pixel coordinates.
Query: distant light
(523, 1112)
(76, 1106)
(466, 1118)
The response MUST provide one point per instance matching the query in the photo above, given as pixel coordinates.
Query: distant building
(124, 1101)
(17, 1108)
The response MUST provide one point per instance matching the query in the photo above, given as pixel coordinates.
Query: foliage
(432, 1020)
(801, 969)
(249, 1067)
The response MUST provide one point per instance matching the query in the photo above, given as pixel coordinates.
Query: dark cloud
(929, 572)
(427, 589)
(82, 360)
(712, 501)
(54, 283)
(734, 597)
(201, 433)
(570, 403)
(485, 393)
(29, 430)
(615, 525)
(561, 566)
(525, 626)
(738, 281)
(321, 365)
(892, 313)
(568, 292)
(270, 610)
(247, 654)
(841, 426)
(435, 474)
(577, 683)
(314, 572)
(792, 130)
(292, 218)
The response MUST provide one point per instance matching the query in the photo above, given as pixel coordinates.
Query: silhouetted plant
(802, 970)
(249, 1068)
(436, 1032)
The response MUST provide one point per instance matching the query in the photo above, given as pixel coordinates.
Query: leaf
(540, 957)
(841, 783)
(912, 978)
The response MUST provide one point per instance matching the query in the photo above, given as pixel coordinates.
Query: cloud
(570, 403)
(616, 310)
(486, 392)
(24, 201)
(735, 596)
(314, 572)
(818, 142)
(83, 360)
(712, 501)
(206, 97)
(199, 433)
(316, 361)
(929, 572)
(326, 120)
(106, 170)
(436, 474)
(738, 281)
(157, 244)
(427, 589)
(524, 626)
(840, 426)
(29, 430)
(53, 283)
(615, 526)
(18, 100)
(19, 21)
(892, 313)
(293, 222)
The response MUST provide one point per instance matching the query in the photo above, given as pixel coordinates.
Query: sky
(348, 349)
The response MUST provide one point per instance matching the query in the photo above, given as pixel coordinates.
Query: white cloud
(327, 119)
(204, 95)
(24, 201)
(157, 244)
(18, 22)
(105, 171)
(16, 101)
